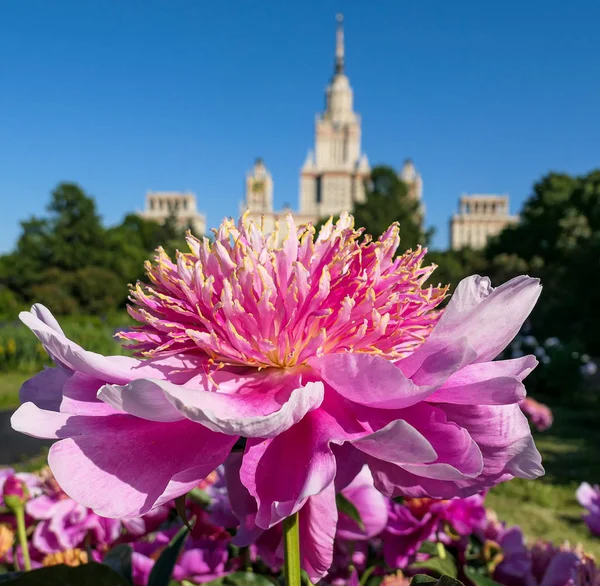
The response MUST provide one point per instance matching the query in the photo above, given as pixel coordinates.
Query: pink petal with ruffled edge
(266, 412)
(487, 383)
(123, 466)
(489, 318)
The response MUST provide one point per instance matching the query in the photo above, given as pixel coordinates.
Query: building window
(318, 190)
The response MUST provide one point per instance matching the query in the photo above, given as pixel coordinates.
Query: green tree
(558, 240)
(387, 201)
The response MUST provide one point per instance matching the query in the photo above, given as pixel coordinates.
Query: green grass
(544, 508)
(10, 383)
(547, 508)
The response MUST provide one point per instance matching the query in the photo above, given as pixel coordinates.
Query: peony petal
(79, 396)
(256, 414)
(370, 380)
(318, 520)
(312, 468)
(397, 442)
(504, 437)
(142, 399)
(433, 362)
(120, 466)
(114, 369)
(487, 383)
(35, 422)
(45, 315)
(489, 318)
(588, 496)
(560, 569)
(458, 455)
(371, 506)
(45, 388)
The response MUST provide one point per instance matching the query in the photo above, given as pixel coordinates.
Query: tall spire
(339, 44)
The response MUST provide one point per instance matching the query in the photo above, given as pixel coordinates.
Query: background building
(161, 204)
(480, 217)
(332, 177)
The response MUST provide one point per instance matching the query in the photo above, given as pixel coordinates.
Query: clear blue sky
(124, 96)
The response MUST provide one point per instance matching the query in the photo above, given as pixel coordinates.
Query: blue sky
(123, 96)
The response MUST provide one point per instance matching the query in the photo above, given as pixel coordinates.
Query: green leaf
(246, 579)
(422, 579)
(442, 581)
(119, 559)
(91, 574)
(429, 547)
(346, 507)
(448, 581)
(443, 566)
(163, 568)
(241, 579)
(180, 508)
(479, 579)
(199, 497)
(374, 580)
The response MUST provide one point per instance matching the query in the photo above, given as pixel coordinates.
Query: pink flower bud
(14, 492)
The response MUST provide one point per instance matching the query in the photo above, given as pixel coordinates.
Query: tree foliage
(387, 201)
(71, 262)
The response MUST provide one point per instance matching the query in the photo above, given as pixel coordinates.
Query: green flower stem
(20, 516)
(291, 536)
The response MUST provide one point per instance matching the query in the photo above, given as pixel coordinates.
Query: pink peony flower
(64, 524)
(589, 498)
(405, 533)
(325, 353)
(542, 565)
(465, 516)
(538, 413)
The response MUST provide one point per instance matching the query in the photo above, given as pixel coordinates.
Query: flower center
(241, 300)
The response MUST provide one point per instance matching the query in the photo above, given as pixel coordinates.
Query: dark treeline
(68, 260)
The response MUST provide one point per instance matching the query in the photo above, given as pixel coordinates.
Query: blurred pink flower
(589, 498)
(326, 352)
(465, 516)
(30, 482)
(538, 413)
(64, 524)
(406, 531)
(370, 505)
(542, 565)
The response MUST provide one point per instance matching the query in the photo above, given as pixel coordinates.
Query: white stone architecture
(480, 217)
(332, 177)
(413, 180)
(161, 204)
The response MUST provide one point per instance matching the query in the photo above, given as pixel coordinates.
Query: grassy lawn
(547, 508)
(10, 383)
(544, 508)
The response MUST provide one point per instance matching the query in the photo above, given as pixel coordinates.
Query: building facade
(480, 217)
(161, 204)
(333, 175)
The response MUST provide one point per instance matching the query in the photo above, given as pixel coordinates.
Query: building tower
(481, 216)
(412, 178)
(259, 189)
(331, 179)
